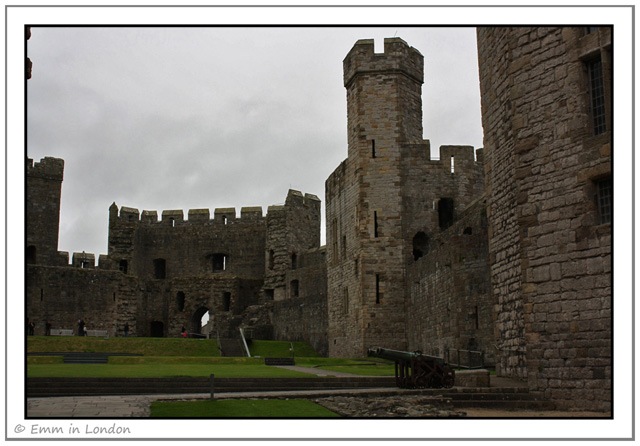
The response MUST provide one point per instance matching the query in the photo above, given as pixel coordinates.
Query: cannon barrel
(399, 355)
(415, 370)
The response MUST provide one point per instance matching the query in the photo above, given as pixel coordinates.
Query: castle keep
(505, 250)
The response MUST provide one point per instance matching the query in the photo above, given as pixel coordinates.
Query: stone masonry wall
(537, 116)
(449, 304)
(105, 300)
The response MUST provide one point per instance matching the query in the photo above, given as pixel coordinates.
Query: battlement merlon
(83, 260)
(398, 56)
(49, 168)
(296, 198)
(460, 153)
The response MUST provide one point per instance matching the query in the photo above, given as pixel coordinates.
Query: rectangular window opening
(605, 200)
(452, 164)
(378, 294)
(373, 148)
(295, 288)
(219, 262)
(596, 91)
(160, 268)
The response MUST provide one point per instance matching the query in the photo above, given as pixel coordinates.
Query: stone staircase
(231, 347)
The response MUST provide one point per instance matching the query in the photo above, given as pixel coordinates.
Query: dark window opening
(468, 230)
(270, 259)
(219, 262)
(378, 294)
(356, 267)
(224, 220)
(226, 301)
(334, 239)
(373, 148)
(344, 247)
(346, 300)
(180, 300)
(605, 200)
(375, 224)
(84, 264)
(445, 212)
(420, 245)
(295, 288)
(123, 266)
(31, 254)
(172, 222)
(114, 297)
(596, 90)
(269, 294)
(160, 268)
(41, 294)
(294, 260)
(477, 320)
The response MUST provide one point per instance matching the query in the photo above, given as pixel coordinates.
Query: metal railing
(465, 359)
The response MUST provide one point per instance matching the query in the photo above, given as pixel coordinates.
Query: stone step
(129, 386)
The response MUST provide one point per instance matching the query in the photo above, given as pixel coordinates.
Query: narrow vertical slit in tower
(377, 288)
(373, 148)
(452, 164)
(375, 224)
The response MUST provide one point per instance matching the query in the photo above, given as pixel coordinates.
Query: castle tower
(44, 189)
(546, 113)
(364, 198)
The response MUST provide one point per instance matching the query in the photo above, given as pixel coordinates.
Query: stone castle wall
(550, 248)
(449, 303)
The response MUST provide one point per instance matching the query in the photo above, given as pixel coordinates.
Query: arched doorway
(200, 315)
(157, 329)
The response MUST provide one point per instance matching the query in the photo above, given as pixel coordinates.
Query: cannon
(415, 370)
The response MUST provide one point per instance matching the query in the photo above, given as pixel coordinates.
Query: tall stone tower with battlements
(381, 206)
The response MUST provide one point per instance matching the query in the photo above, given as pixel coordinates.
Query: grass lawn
(167, 357)
(251, 408)
(143, 346)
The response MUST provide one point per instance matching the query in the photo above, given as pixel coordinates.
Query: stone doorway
(157, 329)
(196, 321)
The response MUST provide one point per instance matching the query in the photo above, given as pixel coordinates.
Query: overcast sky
(181, 118)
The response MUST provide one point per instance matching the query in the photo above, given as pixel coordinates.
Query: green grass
(281, 349)
(143, 346)
(167, 357)
(271, 408)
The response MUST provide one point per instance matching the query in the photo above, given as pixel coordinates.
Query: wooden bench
(61, 332)
(279, 361)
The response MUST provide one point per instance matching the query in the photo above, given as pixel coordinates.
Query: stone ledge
(472, 378)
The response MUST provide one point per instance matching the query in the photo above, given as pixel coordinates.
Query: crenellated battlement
(48, 167)
(398, 56)
(175, 217)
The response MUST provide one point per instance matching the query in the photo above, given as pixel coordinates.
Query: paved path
(137, 406)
